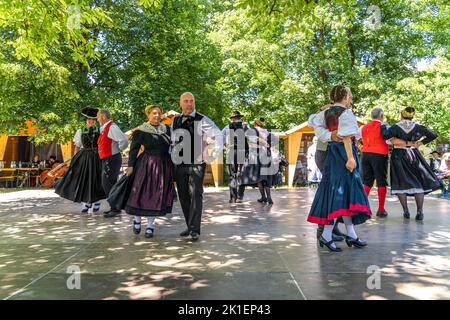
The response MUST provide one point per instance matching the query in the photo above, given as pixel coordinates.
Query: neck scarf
(147, 127)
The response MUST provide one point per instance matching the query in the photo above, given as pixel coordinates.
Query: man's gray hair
(106, 113)
(377, 113)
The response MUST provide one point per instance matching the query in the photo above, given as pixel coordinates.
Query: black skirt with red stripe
(341, 192)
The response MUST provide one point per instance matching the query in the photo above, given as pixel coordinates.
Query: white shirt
(116, 135)
(348, 125)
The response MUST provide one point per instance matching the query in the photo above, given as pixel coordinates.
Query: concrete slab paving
(246, 251)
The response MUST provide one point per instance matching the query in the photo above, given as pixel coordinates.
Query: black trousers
(189, 180)
(236, 190)
(110, 171)
(374, 167)
(320, 158)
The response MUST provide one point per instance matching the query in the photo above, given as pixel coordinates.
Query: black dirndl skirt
(254, 171)
(340, 192)
(83, 180)
(152, 190)
(410, 173)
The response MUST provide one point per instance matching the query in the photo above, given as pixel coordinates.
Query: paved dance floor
(246, 251)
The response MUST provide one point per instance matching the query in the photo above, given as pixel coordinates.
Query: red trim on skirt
(339, 213)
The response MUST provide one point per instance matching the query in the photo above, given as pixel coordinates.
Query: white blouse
(77, 139)
(348, 125)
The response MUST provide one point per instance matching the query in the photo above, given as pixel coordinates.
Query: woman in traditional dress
(262, 161)
(152, 187)
(410, 173)
(83, 180)
(341, 194)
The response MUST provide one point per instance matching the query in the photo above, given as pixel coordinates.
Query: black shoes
(419, 215)
(86, 208)
(358, 243)
(337, 238)
(323, 242)
(111, 213)
(406, 215)
(262, 200)
(195, 235)
(136, 227)
(337, 232)
(149, 232)
(185, 233)
(265, 200)
(383, 214)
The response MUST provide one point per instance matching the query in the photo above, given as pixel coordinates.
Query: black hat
(89, 112)
(236, 114)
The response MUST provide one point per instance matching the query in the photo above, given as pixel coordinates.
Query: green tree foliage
(272, 58)
(122, 55)
(282, 57)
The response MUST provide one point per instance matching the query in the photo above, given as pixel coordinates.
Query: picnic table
(21, 177)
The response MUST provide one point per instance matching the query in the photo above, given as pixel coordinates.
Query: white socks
(90, 207)
(350, 227)
(150, 222)
(327, 233)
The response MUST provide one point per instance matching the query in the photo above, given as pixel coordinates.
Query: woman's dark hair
(339, 92)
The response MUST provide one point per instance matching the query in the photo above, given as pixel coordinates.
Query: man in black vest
(237, 147)
(193, 134)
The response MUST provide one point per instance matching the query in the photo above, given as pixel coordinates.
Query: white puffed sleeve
(348, 125)
(77, 139)
(317, 122)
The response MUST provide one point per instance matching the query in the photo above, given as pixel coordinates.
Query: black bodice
(89, 138)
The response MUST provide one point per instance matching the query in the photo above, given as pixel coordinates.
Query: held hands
(335, 137)
(129, 171)
(351, 164)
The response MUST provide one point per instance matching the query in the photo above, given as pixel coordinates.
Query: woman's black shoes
(323, 242)
(269, 201)
(382, 214)
(419, 215)
(337, 238)
(86, 208)
(136, 227)
(406, 215)
(262, 200)
(358, 243)
(149, 232)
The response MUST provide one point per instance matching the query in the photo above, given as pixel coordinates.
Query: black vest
(189, 126)
(235, 145)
